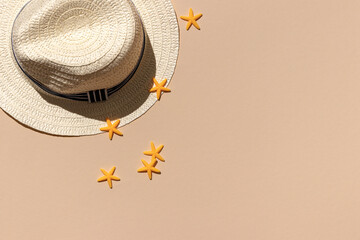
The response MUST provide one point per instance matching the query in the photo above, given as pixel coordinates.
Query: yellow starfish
(112, 128)
(159, 87)
(108, 176)
(155, 152)
(149, 168)
(192, 19)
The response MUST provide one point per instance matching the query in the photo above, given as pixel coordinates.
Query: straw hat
(67, 65)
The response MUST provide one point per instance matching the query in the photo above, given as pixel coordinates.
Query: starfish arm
(162, 84)
(197, 17)
(164, 89)
(109, 182)
(116, 124)
(102, 179)
(143, 169)
(104, 172)
(112, 171)
(115, 178)
(149, 174)
(153, 148)
(118, 132)
(104, 129)
(195, 24)
(153, 161)
(148, 153)
(160, 148)
(145, 163)
(158, 93)
(108, 122)
(155, 170)
(156, 82)
(185, 18)
(111, 134)
(158, 156)
(191, 13)
(154, 89)
(188, 25)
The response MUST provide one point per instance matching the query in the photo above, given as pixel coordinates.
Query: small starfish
(108, 176)
(149, 167)
(159, 87)
(155, 152)
(192, 19)
(112, 128)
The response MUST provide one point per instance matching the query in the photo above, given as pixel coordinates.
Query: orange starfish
(108, 176)
(112, 128)
(149, 167)
(159, 87)
(192, 19)
(155, 152)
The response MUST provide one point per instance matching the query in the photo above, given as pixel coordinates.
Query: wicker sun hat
(67, 65)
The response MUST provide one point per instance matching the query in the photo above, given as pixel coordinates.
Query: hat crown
(74, 46)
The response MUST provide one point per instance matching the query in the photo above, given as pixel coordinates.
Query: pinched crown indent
(74, 46)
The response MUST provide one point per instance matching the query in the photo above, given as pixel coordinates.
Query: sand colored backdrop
(261, 135)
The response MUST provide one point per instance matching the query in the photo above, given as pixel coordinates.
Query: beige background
(261, 135)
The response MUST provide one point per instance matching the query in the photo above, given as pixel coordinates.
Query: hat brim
(50, 114)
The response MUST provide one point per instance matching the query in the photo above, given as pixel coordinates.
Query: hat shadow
(123, 102)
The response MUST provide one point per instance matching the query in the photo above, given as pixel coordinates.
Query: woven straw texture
(73, 46)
